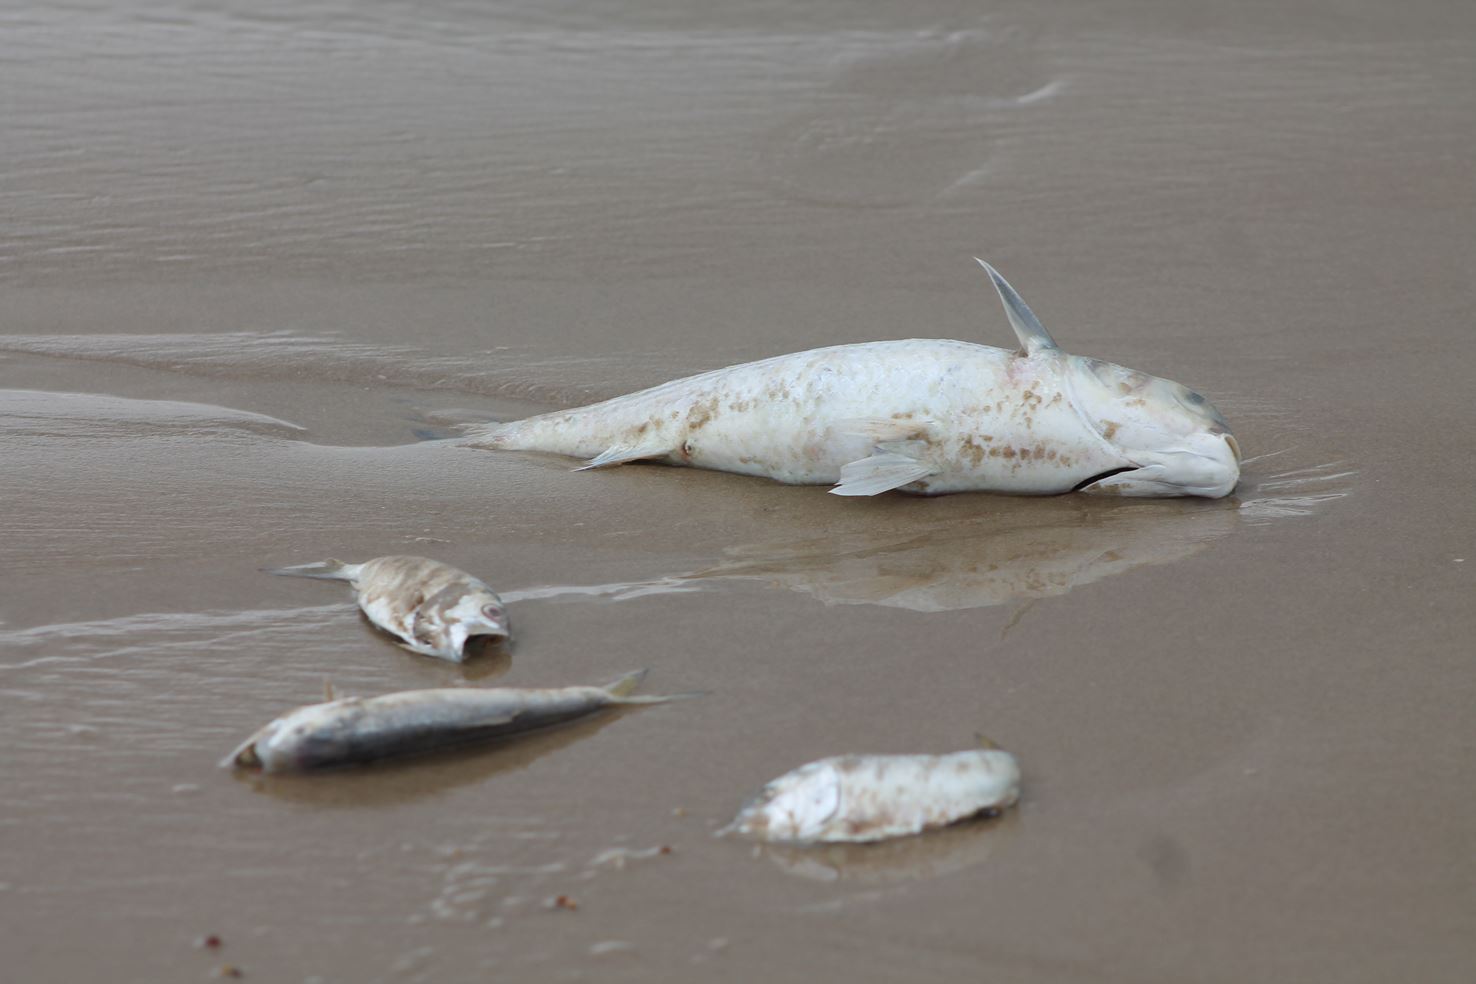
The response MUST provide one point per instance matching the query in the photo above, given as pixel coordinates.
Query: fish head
(1171, 440)
(474, 613)
(306, 738)
(794, 807)
(1168, 438)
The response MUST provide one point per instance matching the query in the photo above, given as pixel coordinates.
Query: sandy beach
(259, 260)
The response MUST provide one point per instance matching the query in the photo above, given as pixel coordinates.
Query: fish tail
(487, 437)
(327, 570)
(622, 690)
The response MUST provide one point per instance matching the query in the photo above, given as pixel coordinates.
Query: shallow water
(258, 261)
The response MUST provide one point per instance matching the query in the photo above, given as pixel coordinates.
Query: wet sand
(257, 261)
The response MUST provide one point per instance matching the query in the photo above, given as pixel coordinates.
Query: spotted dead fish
(925, 416)
(432, 607)
(873, 797)
(357, 730)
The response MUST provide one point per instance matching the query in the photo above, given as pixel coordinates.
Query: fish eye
(1194, 398)
(492, 611)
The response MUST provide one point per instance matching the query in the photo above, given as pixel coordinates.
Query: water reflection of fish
(358, 730)
(994, 561)
(860, 798)
(926, 416)
(941, 852)
(433, 607)
(1016, 554)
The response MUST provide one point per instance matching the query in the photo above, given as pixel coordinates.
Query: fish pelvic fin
(1032, 334)
(620, 454)
(882, 472)
(622, 691)
(325, 570)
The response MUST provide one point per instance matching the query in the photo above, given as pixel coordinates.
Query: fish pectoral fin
(884, 430)
(620, 454)
(879, 473)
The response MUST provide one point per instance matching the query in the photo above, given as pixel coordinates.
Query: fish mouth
(244, 757)
(489, 633)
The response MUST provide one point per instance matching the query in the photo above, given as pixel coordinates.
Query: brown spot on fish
(701, 413)
(1009, 452)
(1109, 428)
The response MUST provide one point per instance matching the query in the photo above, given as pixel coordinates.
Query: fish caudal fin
(620, 454)
(484, 437)
(326, 570)
(879, 473)
(622, 690)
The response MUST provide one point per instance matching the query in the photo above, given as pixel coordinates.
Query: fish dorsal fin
(1033, 336)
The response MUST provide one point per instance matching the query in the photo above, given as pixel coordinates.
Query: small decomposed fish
(432, 607)
(873, 797)
(358, 730)
(924, 416)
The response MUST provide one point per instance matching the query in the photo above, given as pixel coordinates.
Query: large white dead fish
(357, 730)
(873, 797)
(926, 416)
(433, 607)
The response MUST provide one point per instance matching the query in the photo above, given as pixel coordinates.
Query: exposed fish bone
(925, 416)
(432, 607)
(358, 730)
(873, 797)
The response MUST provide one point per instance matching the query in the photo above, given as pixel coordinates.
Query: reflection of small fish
(926, 416)
(943, 852)
(871, 797)
(356, 730)
(432, 606)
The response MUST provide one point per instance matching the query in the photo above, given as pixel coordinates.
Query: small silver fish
(432, 607)
(873, 797)
(358, 730)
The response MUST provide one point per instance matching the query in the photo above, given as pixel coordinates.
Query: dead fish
(873, 797)
(358, 730)
(432, 607)
(925, 416)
